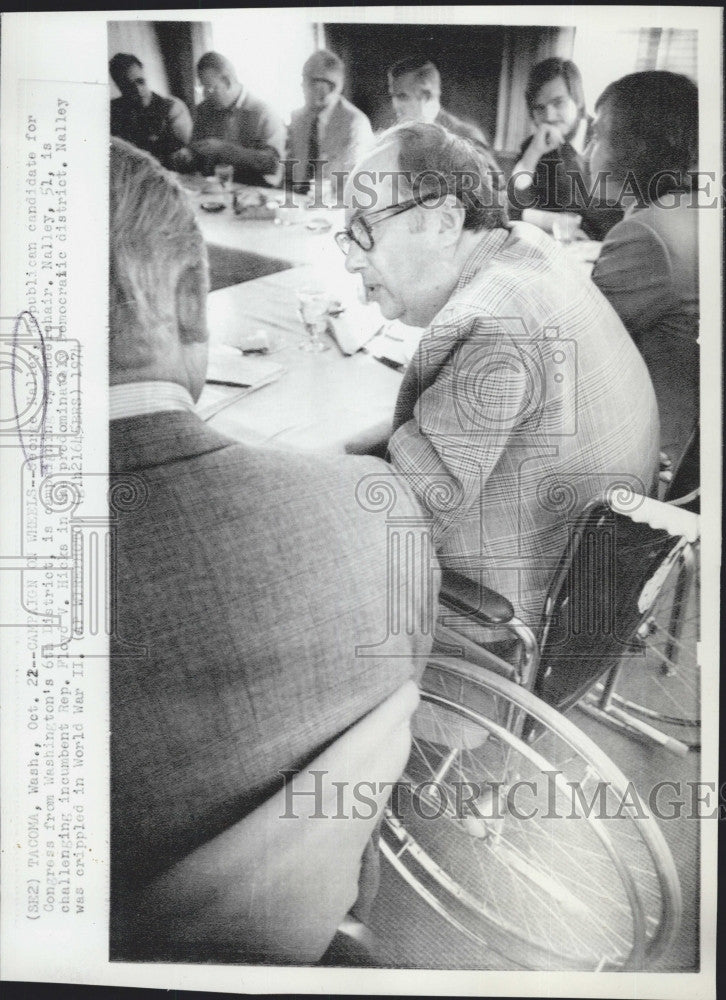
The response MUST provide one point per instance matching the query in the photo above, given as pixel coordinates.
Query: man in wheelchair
(526, 398)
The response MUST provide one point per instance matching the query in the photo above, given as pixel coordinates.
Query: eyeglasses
(359, 231)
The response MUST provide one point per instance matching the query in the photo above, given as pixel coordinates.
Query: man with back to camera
(329, 129)
(249, 576)
(552, 161)
(231, 126)
(414, 84)
(160, 125)
(526, 397)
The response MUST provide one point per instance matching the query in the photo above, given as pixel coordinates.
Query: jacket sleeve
(461, 425)
(180, 123)
(361, 138)
(634, 273)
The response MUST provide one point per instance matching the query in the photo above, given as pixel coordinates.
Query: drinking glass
(565, 226)
(312, 307)
(224, 174)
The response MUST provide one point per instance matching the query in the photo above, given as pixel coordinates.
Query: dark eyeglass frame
(346, 236)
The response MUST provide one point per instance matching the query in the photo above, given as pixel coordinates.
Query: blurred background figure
(414, 84)
(328, 129)
(160, 125)
(647, 131)
(552, 161)
(231, 126)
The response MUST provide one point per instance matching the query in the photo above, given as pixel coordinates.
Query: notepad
(228, 366)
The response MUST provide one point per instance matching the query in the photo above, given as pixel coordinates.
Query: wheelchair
(509, 821)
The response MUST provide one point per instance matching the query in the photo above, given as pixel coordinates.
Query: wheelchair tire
(579, 884)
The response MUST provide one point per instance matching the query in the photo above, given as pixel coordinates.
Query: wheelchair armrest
(475, 601)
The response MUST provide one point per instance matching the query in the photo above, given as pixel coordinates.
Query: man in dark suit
(250, 585)
(414, 84)
(160, 125)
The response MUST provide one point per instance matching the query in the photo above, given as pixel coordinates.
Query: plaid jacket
(525, 400)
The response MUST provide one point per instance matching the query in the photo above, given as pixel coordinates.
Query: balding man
(248, 580)
(231, 126)
(526, 397)
(414, 84)
(329, 134)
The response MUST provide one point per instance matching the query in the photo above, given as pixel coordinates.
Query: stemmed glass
(312, 307)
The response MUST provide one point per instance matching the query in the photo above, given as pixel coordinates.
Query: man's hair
(325, 62)
(550, 69)
(653, 128)
(119, 66)
(216, 63)
(433, 160)
(424, 72)
(154, 238)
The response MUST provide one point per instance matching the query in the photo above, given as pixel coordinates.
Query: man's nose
(551, 113)
(355, 259)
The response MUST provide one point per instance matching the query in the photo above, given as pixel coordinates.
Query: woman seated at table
(646, 140)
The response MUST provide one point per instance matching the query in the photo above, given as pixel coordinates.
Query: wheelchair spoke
(549, 893)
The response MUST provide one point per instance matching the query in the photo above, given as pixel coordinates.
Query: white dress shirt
(135, 399)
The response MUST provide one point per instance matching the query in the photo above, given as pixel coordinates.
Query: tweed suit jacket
(345, 140)
(245, 580)
(648, 270)
(525, 399)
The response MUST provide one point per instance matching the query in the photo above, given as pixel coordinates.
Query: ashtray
(212, 206)
(318, 225)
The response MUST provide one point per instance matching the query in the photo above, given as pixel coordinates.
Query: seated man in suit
(232, 126)
(415, 88)
(160, 125)
(552, 173)
(329, 129)
(251, 583)
(526, 397)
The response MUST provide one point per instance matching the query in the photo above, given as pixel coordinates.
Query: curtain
(182, 43)
(523, 47)
(673, 49)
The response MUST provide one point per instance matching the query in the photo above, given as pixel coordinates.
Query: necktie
(313, 148)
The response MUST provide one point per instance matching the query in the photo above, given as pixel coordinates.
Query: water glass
(224, 174)
(565, 226)
(312, 307)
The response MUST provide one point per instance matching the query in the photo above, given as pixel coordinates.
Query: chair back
(598, 597)
(684, 490)
(275, 886)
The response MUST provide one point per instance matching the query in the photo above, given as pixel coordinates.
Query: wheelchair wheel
(659, 682)
(539, 850)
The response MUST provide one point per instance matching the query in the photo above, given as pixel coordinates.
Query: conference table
(339, 400)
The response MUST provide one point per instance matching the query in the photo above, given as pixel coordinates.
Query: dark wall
(468, 57)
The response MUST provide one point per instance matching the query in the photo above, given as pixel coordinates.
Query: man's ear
(451, 218)
(191, 306)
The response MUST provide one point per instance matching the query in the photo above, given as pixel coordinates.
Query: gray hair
(434, 161)
(154, 238)
(324, 64)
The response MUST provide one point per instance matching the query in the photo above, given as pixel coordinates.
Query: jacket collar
(155, 439)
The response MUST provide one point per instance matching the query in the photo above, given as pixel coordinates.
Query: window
(604, 56)
(268, 59)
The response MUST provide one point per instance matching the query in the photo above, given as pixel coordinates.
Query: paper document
(228, 366)
(355, 326)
